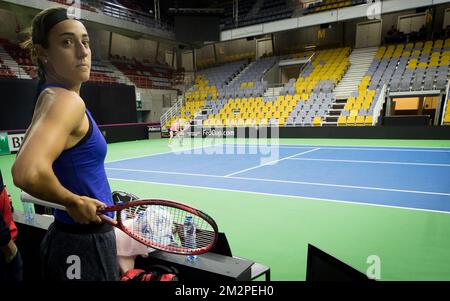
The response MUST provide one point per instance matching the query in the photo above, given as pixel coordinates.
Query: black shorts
(79, 252)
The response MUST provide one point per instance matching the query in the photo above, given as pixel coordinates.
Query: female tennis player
(62, 157)
(174, 128)
(183, 131)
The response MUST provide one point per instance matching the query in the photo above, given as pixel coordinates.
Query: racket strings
(163, 226)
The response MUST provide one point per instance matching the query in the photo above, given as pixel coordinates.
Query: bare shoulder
(62, 104)
(64, 98)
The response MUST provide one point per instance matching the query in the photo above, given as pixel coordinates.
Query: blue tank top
(81, 169)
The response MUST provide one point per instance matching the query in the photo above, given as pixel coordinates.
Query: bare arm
(55, 129)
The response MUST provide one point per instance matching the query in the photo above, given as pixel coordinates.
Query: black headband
(51, 20)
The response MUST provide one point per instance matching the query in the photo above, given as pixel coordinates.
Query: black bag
(153, 273)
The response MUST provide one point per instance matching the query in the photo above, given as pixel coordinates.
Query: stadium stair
(122, 78)
(360, 60)
(12, 64)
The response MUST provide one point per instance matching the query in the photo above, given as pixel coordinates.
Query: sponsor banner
(4, 147)
(154, 129)
(15, 141)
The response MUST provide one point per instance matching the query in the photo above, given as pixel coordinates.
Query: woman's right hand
(84, 210)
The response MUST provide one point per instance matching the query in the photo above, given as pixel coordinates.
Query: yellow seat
(317, 121)
(357, 106)
(359, 120)
(369, 120)
(351, 120)
(348, 106)
(342, 120)
(353, 113)
(447, 119)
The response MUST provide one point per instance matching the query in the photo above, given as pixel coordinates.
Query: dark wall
(16, 101)
(122, 133)
(207, 28)
(108, 104)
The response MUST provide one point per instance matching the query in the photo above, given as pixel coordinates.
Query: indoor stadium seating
(312, 91)
(411, 67)
(19, 65)
(209, 85)
(242, 101)
(144, 74)
(254, 12)
(331, 4)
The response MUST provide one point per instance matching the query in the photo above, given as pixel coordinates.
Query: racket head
(159, 224)
(120, 197)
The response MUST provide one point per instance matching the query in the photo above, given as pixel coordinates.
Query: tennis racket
(120, 197)
(156, 223)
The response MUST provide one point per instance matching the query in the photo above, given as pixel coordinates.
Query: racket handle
(27, 198)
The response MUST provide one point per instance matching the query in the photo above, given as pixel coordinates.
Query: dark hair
(38, 32)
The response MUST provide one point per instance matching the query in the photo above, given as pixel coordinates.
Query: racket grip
(27, 198)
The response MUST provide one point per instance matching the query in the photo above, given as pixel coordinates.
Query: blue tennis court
(414, 178)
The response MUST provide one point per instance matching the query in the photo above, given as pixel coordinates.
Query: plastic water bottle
(189, 236)
(28, 211)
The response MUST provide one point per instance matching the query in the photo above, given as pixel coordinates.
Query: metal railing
(379, 105)
(118, 11)
(447, 95)
(174, 111)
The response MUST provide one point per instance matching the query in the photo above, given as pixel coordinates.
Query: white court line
(356, 148)
(285, 146)
(289, 182)
(283, 195)
(164, 172)
(371, 162)
(269, 163)
(343, 186)
(181, 151)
